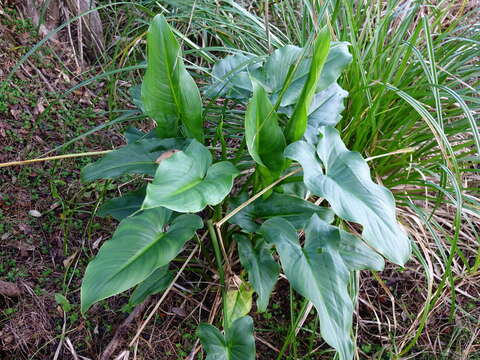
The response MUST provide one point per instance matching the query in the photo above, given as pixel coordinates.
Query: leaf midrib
(150, 162)
(340, 340)
(170, 73)
(136, 256)
(346, 189)
(187, 187)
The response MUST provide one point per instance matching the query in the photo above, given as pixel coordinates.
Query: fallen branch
(117, 338)
(58, 157)
(139, 331)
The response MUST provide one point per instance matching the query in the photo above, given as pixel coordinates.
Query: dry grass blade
(51, 158)
(160, 301)
(117, 338)
(255, 197)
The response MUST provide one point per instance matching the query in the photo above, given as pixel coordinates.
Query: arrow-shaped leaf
(188, 182)
(231, 77)
(135, 158)
(238, 304)
(346, 184)
(318, 272)
(121, 207)
(297, 211)
(158, 281)
(275, 70)
(139, 246)
(357, 255)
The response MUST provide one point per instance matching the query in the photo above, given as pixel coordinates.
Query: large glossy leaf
(121, 207)
(232, 74)
(346, 184)
(318, 272)
(169, 93)
(262, 269)
(237, 343)
(338, 58)
(136, 158)
(132, 134)
(273, 73)
(296, 189)
(264, 137)
(158, 281)
(139, 246)
(327, 106)
(357, 255)
(188, 182)
(278, 66)
(231, 77)
(297, 123)
(325, 110)
(297, 211)
(238, 304)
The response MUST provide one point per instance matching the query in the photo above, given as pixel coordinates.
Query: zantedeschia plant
(292, 104)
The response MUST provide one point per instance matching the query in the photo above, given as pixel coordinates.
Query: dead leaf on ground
(39, 108)
(35, 213)
(68, 261)
(178, 311)
(26, 229)
(23, 247)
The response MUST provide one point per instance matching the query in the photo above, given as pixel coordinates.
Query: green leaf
(63, 302)
(169, 93)
(158, 281)
(136, 158)
(132, 134)
(338, 58)
(231, 77)
(135, 93)
(238, 304)
(238, 342)
(298, 122)
(278, 66)
(347, 186)
(325, 110)
(139, 246)
(297, 211)
(318, 272)
(188, 182)
(262, 269)
(121, 207)
(275, 70)
(264, 137)
(357, 255)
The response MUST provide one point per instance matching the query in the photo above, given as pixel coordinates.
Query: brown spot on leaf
(166, 155)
